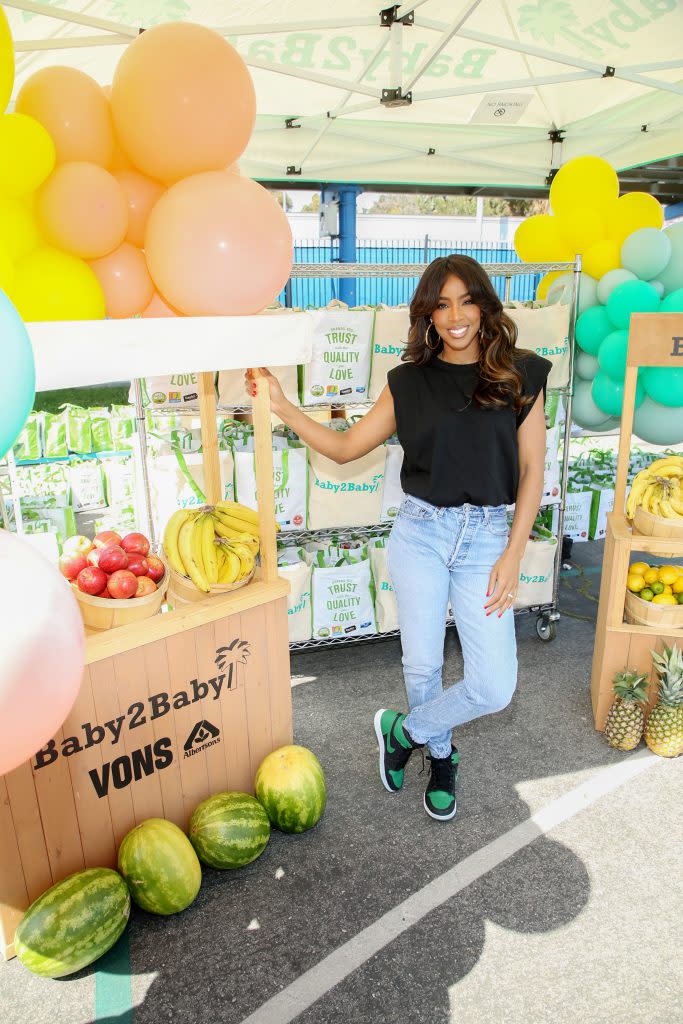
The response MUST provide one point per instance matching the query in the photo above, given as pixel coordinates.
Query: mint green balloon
(673, 303)
(585, 412)
(646, 252)
(658, 424)
(608, 394)
(664, 384)
(659, 288)
(585, 366)
(592, 327)
(18, 377)
(609, 281)
(612, 355)
(672, 275)
(631, 297)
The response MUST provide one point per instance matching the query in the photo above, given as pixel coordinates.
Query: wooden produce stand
(655, 339)
(178, 706)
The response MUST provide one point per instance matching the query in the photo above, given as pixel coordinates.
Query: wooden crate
(655, 339)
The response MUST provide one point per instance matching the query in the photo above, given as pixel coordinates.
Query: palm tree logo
(546, 19)
(241, 648)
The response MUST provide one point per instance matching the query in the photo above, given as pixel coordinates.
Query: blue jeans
(433, 554)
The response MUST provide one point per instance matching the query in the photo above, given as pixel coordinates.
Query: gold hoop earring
(432, 348)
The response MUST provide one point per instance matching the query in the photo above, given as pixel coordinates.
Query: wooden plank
(265, 494)
(182, 663)
(57, 812)
(257, 686)
(14, 898)
(164, 729)
(626, 429)
(209, 430)
(655, 339)
(28, 828)
(279, 673)
(205, 647)
(124, 638)
(234, 713)
(109, 709)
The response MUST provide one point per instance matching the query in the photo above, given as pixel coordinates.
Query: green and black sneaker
(395, 747)
(440, 793)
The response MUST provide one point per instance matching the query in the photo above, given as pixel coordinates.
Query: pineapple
(664, 727)
(624, 725)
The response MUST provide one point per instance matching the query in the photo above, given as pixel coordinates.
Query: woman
(469, 411)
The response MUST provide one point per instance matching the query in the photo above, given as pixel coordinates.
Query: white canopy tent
(485, 93)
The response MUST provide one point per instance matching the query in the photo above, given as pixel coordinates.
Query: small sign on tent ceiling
(501, 108)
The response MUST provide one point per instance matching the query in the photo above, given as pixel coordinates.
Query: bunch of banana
(658, 489)
(213, 543)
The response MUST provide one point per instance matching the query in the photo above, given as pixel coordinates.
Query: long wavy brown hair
(500, 379)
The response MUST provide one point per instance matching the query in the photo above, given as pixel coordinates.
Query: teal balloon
(608, 394)
(664, 384)
(673, 303)
(659, 288)
(609, 281)
(585, 412)
(591, 328)
(17, 375)
(631, 297)
(646, 252)
(672, 275)
(612, 355)
(658, 424)
(585, 366)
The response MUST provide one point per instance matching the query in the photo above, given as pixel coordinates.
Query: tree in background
(455, 206)
(278, 195)
(313, 206)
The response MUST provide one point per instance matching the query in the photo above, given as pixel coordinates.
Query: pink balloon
(125, 281)
(75, 111)
(141, 194)
(218, 244)
(81, 208)
(158, 307)
(42, 651)
(183, 101)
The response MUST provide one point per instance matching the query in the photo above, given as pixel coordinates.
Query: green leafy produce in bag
(122, 426)
(78, 430)
(54, 435)
(100, 425)
(27, 446)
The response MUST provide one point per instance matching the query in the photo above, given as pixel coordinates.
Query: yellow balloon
(585, 179)
(631, 212)
(6, 62)
(601, 257)
(585, 226)
(18, 229)
(27, 154)
(53, 285)
(6, 272)
(545, 282)
(538, 240)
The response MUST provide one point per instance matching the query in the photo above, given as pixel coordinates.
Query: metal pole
(426, 249)
(347, 239)
(142, 442)
(508, 282)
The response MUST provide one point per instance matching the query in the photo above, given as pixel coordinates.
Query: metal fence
(317, 292)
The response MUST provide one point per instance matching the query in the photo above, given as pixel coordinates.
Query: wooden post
(213, 487)
(265, 494)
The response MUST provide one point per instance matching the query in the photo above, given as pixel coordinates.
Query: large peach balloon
(82, 209)
(125, 281)
(158, 307)
(141, 194)
(75, 111)
(183, 101)
(42, 651)
(218, 244)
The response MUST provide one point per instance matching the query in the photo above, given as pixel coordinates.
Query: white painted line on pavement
(286, 1005)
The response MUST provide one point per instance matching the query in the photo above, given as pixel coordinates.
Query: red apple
(156, 568)
(135, 544)
(105, 538)
(122, 584)
(112, 558)
(138, 564)
(70, 564)
(77, 545)
(91, 580)
(145, 586)
(105, 593)
(93, 556)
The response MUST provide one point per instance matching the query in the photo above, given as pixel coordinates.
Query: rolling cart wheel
(546, 629)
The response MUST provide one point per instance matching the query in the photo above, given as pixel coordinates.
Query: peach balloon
(158, 307)
(75, 111)
(218, 243)
(141, 194)
(183, 101)
(82, 209)
(119, 159)
(42, 651)
(125, 281)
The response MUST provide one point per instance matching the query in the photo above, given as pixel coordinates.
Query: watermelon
(161, 868)
(229, 830)
(73, 923)
(290, 784)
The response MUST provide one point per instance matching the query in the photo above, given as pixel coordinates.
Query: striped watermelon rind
(229, 830)
(290, 784)
(73, 923)
(160, 867)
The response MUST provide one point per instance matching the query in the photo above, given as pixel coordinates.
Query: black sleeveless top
(455, 452)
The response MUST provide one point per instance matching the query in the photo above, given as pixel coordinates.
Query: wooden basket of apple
(116, 579)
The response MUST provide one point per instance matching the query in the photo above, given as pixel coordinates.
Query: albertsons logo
(203, 735)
